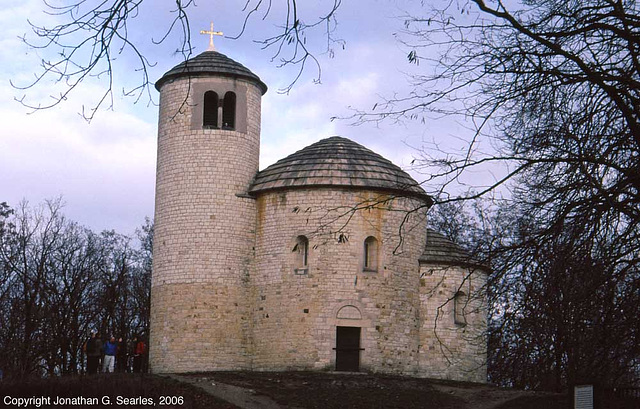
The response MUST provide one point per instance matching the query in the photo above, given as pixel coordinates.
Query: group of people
(115, 355)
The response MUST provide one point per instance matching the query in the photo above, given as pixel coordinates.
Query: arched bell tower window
(370, 262)
(301, 250)
(459, 304)
(210, 110)
(229, 111)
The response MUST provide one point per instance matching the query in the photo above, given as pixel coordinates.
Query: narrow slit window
(210, 110)
(229, 111)
(459, 304)
(301, 250)
(370, 254)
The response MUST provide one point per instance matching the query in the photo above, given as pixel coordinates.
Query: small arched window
(210, 110)
(301, 250)
(370, 262)
(459, 303)
(229, 111)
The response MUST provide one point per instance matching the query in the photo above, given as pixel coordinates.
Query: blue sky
(105, 170)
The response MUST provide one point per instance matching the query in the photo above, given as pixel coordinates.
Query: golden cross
(211, 34)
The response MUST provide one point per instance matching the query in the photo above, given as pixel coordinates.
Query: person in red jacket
(139, 353)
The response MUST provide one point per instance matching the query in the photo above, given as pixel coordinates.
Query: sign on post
(583, 397)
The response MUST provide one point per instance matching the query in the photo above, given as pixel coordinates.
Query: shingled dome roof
(441, 250)
(211, 63)
(337, 162)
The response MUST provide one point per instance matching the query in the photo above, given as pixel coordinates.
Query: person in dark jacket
(93, 349)
(131, 351)
(110, 351)
(121, 356)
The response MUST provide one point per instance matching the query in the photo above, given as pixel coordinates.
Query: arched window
(301, 250)
(229, 111)
(210, 110)
(459, 304)
(370, 254)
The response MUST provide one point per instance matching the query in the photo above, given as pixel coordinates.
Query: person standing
(131, 353)
(140, 350)
(93, 349)
(121, 356)
(110, 351)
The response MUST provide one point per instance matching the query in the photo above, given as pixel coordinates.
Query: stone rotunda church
(322, 261)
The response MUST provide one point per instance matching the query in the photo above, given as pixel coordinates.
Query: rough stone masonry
(322, 261)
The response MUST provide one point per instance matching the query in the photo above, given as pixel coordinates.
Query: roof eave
(472, 264)
(169, 77)
(398, 192)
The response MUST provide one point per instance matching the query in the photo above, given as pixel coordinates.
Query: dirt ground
(149, 387)
(316, 390)
(295, 390)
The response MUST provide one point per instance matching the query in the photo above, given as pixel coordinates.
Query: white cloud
(105, 169)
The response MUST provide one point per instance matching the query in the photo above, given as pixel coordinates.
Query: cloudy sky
(105, 170)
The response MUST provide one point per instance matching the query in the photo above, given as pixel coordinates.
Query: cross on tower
(211, 34)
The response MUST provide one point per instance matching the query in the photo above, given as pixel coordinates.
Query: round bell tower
(208, 148)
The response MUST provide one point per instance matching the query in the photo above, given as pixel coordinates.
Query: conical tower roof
(337, 162)
(211, 63)
(440, 250)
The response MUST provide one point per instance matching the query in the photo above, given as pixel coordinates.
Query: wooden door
(348, 349)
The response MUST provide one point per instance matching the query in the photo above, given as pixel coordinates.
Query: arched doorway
(348, 340)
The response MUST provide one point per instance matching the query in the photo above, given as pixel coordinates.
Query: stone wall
(296, 313)
(204, 232)
(226, 294)
(450, 350)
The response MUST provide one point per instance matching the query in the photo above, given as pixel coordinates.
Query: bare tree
(59, 281)
(141, 279)
(26, 250)
(87, 41)
(71, 292)
(88, 38)
(564, 310)
(290, 43)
